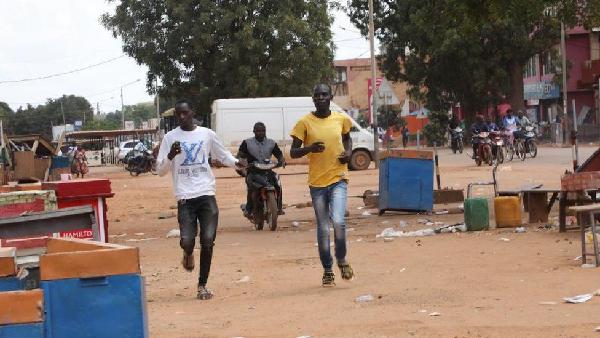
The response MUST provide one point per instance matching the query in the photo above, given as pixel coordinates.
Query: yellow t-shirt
(324, 168)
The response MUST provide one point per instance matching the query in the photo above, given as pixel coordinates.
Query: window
(550, 62)
(340, 84)
(531, 67)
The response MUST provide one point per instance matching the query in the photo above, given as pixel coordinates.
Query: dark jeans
(190, 212)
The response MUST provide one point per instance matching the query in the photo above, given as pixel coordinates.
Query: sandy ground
(480, 285)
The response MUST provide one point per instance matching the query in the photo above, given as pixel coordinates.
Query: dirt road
(267, 284)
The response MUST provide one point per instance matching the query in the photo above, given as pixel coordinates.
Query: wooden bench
(591, 210)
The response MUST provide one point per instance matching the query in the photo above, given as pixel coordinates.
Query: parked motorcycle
(456, 140)
(530, 144)
(484, 148)
(264, 196)
(144, 163)
(498, 148)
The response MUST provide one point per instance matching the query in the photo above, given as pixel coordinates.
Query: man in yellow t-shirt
(327, 143)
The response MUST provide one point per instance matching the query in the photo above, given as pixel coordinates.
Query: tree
(6, 114)
(207, 49)
(472, 52)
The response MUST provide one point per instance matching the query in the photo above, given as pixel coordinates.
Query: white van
(233, 120)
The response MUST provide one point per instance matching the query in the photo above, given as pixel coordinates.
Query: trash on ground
(295, 224)
(422, 221)
(423, 311)
(577, 258)
(366, 213)
(244, 279)
(429, 224)
(390, 232)
(458, 227)
(364, 298)
(359, 240)
(165, 215)
(578, 299)
(388, 239)
(403, 269)
(403, 224)
(588, 266)
(442, 212)
(435, 314)
(504, 239)
(139, 234)
(462, 206)
(548, 303)
(520, 230)
(174, 233)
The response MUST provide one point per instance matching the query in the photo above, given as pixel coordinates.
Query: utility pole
(97, 108)
(122, 111)
(373, 86)
(62, 111)
(573, 136)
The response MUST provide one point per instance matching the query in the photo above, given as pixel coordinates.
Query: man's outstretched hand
(345, 157)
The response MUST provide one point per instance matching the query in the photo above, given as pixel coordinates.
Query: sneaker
(204, 293)
(188, 262)
(328, 279)
(346, 271)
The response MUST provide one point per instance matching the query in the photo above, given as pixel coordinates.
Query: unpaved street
(267, 284)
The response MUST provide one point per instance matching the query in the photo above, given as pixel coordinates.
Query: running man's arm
(164, 164)
(221, 154)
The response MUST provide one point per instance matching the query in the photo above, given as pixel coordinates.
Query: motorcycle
(498, 148)
(484, 148)
(264, 195)
(144, 163)
(530, 145)
(456, 140)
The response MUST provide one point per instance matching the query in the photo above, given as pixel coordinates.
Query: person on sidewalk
(327, 143)
(185, 152)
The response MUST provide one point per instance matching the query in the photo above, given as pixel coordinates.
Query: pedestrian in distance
(325, 135)
(185, 152)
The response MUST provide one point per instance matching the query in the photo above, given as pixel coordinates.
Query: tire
(521, 150)
(500, 155)
(478, 159)
(532, 149)
(272, 212)
(360, 160)
(460, 146)
(259, 218)
(487, 155)
(510, 153)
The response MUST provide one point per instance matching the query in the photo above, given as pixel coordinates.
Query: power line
(63, 73)
(350, 39)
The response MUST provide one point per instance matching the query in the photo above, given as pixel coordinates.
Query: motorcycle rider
(523, 121)
(478, 127)
(492, 126)
(139, 153)
(260, 149)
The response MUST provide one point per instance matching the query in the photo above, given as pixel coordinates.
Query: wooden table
(537, 203)
(590, 210)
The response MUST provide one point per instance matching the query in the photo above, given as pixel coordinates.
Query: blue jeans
(330, 204)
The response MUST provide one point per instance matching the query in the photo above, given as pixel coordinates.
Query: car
(125, 147)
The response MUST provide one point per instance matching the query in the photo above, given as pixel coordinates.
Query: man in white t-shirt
(185, 152)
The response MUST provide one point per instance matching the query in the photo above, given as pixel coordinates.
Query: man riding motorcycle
(139, 153)
(478, 127)
(259, 149)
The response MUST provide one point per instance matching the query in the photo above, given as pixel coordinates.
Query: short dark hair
(182, 101)
(322, 84)
(259, 124)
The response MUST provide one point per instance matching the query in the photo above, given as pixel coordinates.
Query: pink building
(543, 91)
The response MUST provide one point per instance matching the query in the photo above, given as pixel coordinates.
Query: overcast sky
(41, 38)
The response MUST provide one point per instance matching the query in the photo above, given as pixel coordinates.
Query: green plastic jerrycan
(477, 216)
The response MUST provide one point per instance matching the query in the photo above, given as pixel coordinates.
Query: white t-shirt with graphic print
(190, 169)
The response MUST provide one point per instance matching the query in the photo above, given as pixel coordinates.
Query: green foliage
(472, 52)
(206, 49)
(40, 119)
(436, 131)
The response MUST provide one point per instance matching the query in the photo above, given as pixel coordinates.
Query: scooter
(498, 148)
(264, 196)
(530, 144)
(456, 140)
(484, 148)
(144, 163)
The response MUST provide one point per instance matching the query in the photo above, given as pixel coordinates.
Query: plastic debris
(359, 240)
(295, 224)
(578, 299)
(403, 224)
(174, 233)
(588, 266)
(388, 239)
(548, 303)
(504, 239)
(442, 212)
(390, 232)
(244, 279)
(139, 234)
(366, 213)
(422, 220)
(459, 227)
(403, 269)
(364, 298)
(520, 230)
(577, 258)
(435, 314)
(429, 224)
